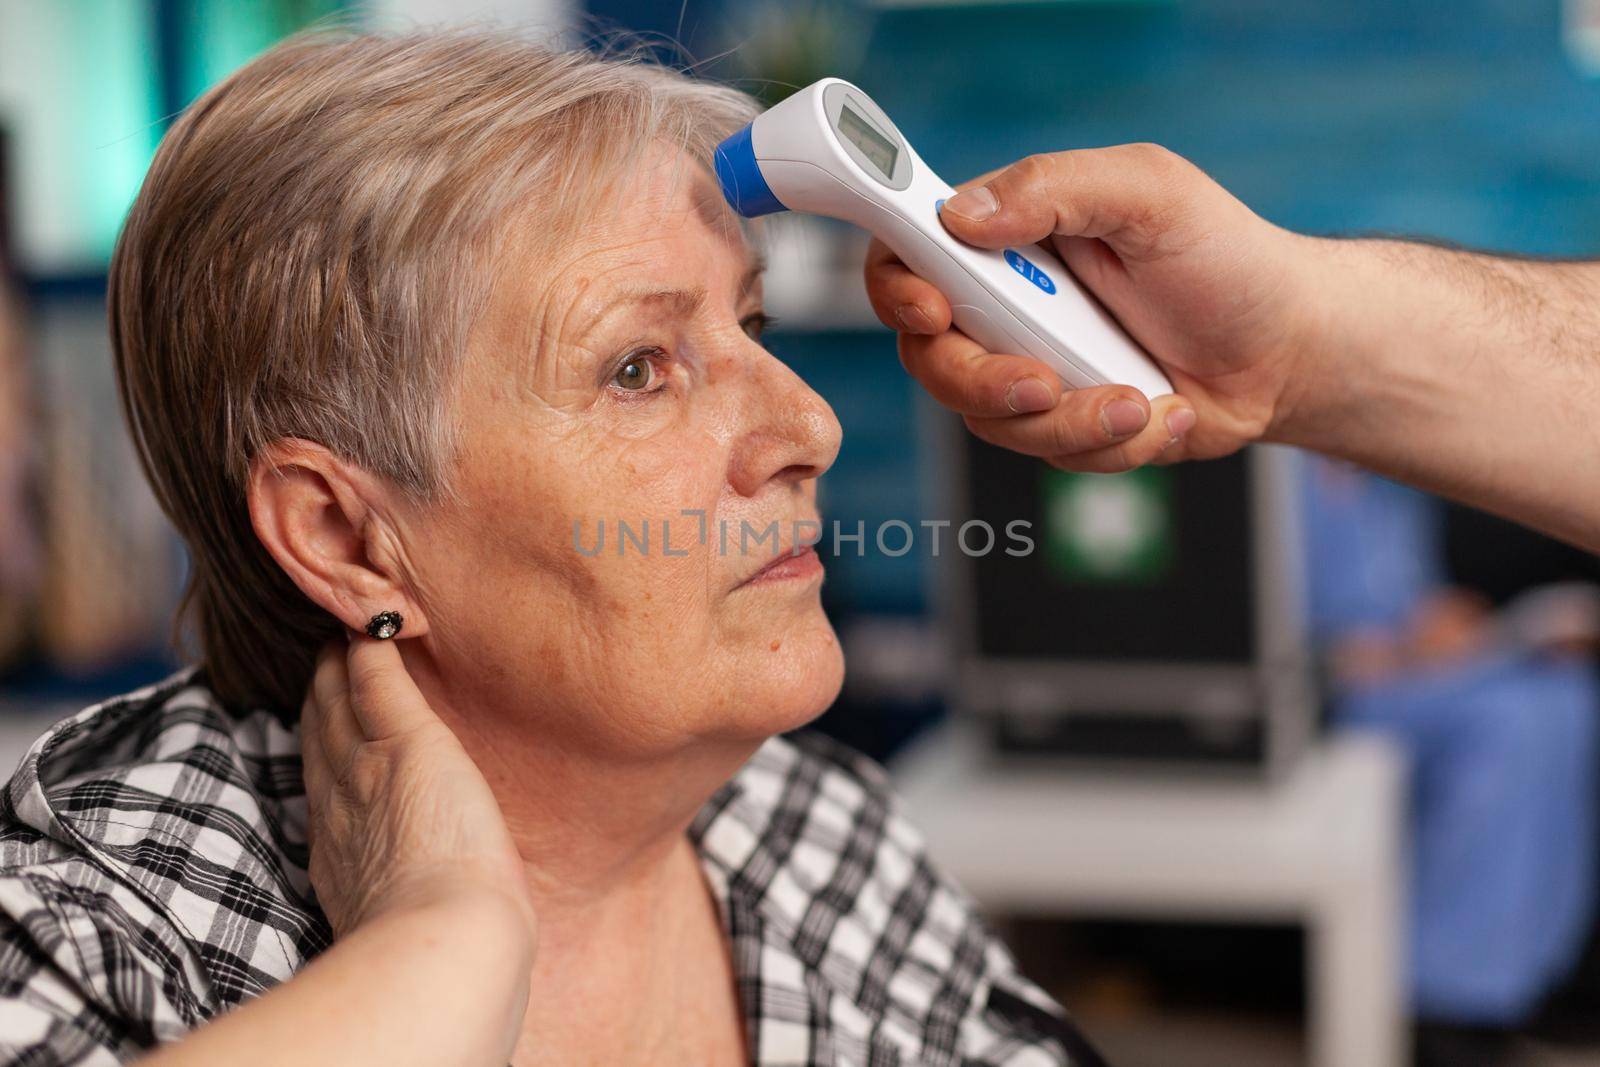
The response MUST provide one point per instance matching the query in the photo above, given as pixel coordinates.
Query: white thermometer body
(829, 150)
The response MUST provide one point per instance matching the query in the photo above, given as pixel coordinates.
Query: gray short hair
(309, 251)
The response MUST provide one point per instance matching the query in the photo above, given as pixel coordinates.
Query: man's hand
(1214, 292)
(1473, 376)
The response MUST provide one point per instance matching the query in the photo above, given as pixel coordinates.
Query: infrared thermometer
(829, 150)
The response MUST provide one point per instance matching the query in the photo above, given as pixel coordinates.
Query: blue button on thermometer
(829, 150)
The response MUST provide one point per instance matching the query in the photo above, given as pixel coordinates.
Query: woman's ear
(319, 517)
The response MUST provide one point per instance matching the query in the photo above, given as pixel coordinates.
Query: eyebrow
(684, 302)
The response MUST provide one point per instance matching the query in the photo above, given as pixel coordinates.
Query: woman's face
(623, 379)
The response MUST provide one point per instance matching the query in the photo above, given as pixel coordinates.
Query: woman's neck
(632, 962)
(643, 976)
(589, 820)
(629, 935)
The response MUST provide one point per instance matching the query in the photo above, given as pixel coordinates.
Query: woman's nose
(791, 433)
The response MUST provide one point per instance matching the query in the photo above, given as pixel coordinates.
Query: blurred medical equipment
(1158, 621)
(1159, 626)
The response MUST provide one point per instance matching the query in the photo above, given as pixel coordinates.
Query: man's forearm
(1474, 376)
(439, 985)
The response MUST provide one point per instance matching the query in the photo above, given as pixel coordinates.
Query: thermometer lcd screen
(878, 149)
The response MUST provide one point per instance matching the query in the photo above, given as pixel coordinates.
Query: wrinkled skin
(637, 655)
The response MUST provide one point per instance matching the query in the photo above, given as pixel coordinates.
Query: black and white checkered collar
(153, 874)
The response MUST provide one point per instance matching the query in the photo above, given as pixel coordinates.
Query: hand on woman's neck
(588, 821)
(627, 925)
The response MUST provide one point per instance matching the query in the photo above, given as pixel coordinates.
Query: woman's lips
(801, 564)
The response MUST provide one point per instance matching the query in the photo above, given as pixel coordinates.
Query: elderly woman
(405, 327)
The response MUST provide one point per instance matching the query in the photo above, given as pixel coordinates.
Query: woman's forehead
(668, 223)
(668, 228)
(671, 196)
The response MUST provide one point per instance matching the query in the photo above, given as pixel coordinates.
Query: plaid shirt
(153, 875)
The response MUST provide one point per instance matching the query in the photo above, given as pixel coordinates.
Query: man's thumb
(973, 205)
(1001, 211)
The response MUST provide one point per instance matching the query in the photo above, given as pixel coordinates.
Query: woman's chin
(793, 680)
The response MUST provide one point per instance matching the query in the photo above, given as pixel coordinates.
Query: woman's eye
(637, 374)
(757, 324)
